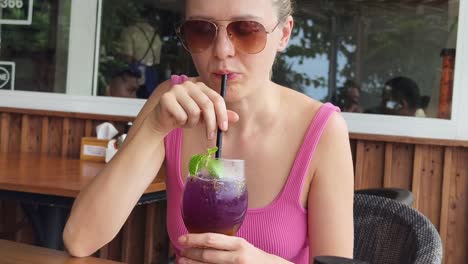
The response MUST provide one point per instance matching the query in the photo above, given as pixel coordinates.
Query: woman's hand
(216, 248)
(187, 105)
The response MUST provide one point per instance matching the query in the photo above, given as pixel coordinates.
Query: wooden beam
(418, 152)
(448, 154)
(409, 140)
(88, 128)
(67, 114)
(387, 182)
(149, 234)
(45, 135)
(65, 136)
(359, 170)
(5, 131)
(24, 133)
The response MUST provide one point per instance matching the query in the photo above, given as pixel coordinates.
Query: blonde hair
(285, 8)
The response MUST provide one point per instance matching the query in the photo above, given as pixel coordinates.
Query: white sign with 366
(9, 5)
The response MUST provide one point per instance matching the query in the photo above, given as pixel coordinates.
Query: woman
(300, 180)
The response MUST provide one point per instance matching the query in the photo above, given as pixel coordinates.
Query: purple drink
(214, 205)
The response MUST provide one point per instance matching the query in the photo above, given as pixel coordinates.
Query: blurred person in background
(124, 84)
(140, 46)
(400, 96)
(349, 98)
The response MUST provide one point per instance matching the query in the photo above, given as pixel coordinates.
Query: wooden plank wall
(435, 171)
(143, 238)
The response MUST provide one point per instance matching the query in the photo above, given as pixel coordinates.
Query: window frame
(83, 62)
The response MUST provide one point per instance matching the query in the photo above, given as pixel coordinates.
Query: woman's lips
(230, 76)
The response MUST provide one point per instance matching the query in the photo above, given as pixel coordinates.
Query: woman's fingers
(190, 107)
(207, 108)
(207, 255)
(211, 240)
(173, 110)
(190, 261)
(211, 247)
(189, 104)
(219, 106)
(233, 117)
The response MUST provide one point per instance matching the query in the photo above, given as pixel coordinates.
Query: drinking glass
(216, 201)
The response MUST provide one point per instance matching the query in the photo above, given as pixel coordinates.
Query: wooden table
(16, 253)
(53, 183)
(40, 174)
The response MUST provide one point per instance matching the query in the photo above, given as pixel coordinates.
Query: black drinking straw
(219, 135)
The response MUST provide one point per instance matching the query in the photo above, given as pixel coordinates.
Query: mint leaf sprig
(202, 161)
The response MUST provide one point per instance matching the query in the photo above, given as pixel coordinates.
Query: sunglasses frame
(212, 22)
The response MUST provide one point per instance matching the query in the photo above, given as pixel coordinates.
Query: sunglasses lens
(247, 36)
(197, 35)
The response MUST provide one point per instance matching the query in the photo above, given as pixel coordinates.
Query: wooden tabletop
(41, 174)
(17, 253)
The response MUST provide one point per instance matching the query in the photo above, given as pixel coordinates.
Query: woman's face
(246, 72)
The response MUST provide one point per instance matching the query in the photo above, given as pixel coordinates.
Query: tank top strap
(173, 147)
(173, 140)
(298, 173)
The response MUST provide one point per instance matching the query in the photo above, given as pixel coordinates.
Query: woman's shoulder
(296, 100)
(300, 105)
(307, 108)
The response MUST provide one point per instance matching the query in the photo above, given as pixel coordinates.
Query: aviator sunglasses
(246, 36)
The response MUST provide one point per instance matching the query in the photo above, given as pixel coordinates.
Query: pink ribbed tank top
(279, 228)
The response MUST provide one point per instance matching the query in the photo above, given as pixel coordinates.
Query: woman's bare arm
(330, 200)
(102, 207)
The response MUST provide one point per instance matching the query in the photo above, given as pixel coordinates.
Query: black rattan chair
(336, 260)
(387, 232)
(400, 195)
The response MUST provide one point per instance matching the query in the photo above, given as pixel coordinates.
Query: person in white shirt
(140, 46)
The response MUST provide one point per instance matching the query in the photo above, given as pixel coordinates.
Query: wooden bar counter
(17, 253)
(48, 175)
(46, 186)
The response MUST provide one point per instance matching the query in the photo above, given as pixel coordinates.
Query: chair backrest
(388, 232)
(401, 195)
(336, 260)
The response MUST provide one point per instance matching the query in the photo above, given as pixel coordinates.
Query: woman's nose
(223, 46)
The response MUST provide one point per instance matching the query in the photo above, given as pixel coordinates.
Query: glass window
(382, 57)
(34, 45)
(138, 47)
